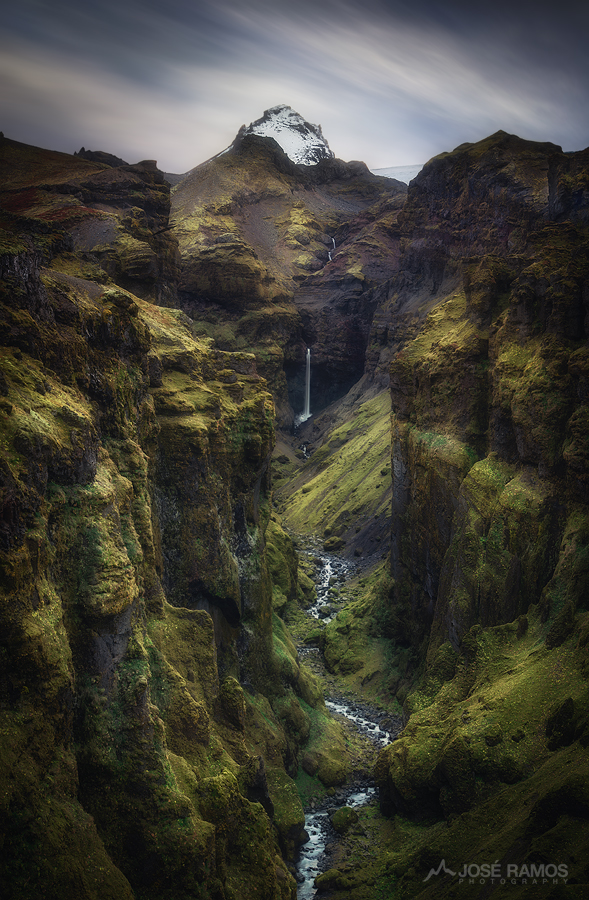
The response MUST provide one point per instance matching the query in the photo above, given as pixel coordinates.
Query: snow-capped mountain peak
(302, 142)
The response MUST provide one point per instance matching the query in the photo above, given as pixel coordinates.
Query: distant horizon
(410, 169)
(382, 169)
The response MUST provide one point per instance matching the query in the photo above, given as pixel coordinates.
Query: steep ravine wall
(490, 522)
(488, 447)
(135, 599)
(149, 698)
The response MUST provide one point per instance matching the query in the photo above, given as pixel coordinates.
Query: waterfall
(307, 409)
(306, 414)
(330, 251)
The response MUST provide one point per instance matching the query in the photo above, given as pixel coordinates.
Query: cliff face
(136, 597)
(490, 525)
(100, 222)
(488, 399)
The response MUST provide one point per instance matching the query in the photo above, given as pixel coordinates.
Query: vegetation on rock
(159, 733)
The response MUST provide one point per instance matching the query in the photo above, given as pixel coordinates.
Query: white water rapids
(312, 860)
(330, 570)
(370, 728)
(317, 827)
(317, 824)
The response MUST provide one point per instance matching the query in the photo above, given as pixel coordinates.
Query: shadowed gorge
(163, 664)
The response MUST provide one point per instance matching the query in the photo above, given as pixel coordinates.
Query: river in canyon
(376, 728)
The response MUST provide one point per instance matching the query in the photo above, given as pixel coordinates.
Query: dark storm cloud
(390, 82)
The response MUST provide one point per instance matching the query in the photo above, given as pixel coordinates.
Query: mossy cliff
(490, 525)
(488, 451)
(152, 706)
(154, 712)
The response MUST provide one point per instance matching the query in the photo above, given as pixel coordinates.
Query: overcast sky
(390, 82)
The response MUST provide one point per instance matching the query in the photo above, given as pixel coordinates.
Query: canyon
(163, 726)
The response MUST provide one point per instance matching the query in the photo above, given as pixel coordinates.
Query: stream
(373, 724)
(330, 571)
(320, 830)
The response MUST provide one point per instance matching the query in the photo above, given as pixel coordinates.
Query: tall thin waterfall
(306, 414)
(307, 409)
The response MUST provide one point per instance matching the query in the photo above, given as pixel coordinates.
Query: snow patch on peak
(302, 142)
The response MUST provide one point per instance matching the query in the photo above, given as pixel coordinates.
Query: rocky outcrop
(148, 695)
(105, 222)
(101, 156)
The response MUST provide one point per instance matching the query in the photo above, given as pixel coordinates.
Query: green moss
(285, 651)
(343, 819)
(282, 559)
(289, 817)
(485, 727)
(566, 592)
(264, 733)
(295, 720)
(324, 752)
(342, 481)
(56, 849)
(444, 449)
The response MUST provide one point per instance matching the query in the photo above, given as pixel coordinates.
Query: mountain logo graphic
(441, 868)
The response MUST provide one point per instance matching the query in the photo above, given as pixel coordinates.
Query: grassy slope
(519, 794)
(343, 491)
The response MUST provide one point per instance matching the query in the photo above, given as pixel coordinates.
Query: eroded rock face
(489, 467)
(135, 597)
(94, 220)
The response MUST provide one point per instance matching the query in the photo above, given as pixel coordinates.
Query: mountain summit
(302, 142)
